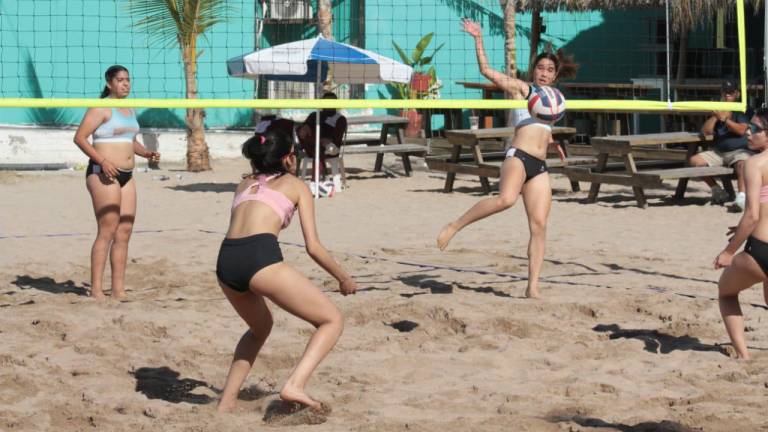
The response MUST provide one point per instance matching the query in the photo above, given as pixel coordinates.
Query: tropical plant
(424, 83)
(180, 22)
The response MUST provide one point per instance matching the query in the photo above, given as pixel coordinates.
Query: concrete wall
(36, 145)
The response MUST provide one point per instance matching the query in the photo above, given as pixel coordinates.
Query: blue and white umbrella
(309, 60)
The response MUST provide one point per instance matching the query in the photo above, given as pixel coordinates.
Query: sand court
(627, 337)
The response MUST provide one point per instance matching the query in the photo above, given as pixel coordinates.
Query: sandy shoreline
(628, 336)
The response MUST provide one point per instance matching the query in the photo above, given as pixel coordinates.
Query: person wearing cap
(730, 145)
(333, 126)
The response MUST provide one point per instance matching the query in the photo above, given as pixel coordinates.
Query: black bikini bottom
(122, 176)
(241, 258)
(533, 165)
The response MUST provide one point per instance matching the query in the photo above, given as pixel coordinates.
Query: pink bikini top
(764, 194)
(274, 199)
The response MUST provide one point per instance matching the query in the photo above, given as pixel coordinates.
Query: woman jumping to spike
(524, 170)
(750, 266)
(250, 266)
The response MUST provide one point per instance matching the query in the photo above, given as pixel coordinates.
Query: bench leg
(728, 186)
(379, 162)
(455, 154)
(594, 189)
(575, 186)
(682, 185)
(639, 196)
(406, 164)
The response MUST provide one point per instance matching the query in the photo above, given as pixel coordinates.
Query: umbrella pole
(317, 133)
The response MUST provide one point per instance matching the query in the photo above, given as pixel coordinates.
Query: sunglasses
(756, 129)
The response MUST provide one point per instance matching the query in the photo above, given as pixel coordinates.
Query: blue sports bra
(119, 128)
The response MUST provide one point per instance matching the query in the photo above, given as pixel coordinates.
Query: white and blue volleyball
(546, 104)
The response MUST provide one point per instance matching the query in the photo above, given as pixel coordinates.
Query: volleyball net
(54, 53)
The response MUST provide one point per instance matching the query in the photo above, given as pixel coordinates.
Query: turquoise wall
(61, 48)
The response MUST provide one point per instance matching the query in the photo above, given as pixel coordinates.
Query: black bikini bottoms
(758, 249)
(241, 258)
(122, 176)
(533, 165)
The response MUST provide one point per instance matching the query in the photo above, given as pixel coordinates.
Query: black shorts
(533, 165)
(758, 250)
(122, 176)
(241, 258)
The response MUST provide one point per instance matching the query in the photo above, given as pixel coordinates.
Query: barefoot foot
(97, 294)
(445, 236)
(532, 293)
(291, 394)
(118, 294)
(225, 406)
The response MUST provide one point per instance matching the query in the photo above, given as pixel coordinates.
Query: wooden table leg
(479, 160)
(594, 189)
(455, 154)
(629, 162)
(682, 184)
(382, 141)
(574, 184)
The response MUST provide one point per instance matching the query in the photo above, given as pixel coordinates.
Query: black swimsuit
(533, 165)
(122, 176)
(241, 258)
(758, 250)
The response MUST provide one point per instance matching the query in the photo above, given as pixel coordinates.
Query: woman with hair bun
(250, 266)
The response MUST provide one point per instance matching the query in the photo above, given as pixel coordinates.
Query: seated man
(730, 145)
(333, 126)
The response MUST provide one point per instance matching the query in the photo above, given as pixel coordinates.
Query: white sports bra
(521, 117)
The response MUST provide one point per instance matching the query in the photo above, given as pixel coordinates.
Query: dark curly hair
(763, 114)
(109, 74)
(564, 64)
(266, 151)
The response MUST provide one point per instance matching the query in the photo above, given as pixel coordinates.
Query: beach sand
(628, 336)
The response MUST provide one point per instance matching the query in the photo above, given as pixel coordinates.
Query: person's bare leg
(118, 253)
(740, 183)
(537, 197)
(742, 274)
(293, 292)
(512, 178)
(698, 161)
(106, 207)
(254, 311)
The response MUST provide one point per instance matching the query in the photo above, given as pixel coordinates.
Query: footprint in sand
(281, 413)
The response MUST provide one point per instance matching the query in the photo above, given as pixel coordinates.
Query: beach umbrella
(309, 61)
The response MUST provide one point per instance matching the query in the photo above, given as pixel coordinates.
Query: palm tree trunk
(510, 59)
(536, 24)
(325, 28)
(197, 148)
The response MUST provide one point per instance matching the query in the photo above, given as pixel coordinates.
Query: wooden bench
(492, 169)
(628, 147)
(402, 150)
(474, 140)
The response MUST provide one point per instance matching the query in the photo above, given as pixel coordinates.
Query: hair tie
(262, 139)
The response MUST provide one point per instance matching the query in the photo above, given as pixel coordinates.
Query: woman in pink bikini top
(250, 266)
(749, 267)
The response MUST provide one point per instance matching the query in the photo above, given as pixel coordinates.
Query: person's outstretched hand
(471, 27)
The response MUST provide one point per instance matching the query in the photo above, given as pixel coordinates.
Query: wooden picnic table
(390, 124)
(475, 140)
(646, 146)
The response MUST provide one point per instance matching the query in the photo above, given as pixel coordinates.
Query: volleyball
(546, 104)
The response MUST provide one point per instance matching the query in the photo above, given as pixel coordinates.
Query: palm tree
(325, 28)
(180, 22)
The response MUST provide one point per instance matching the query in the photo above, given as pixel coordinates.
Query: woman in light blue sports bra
(524, 171)
(109, 179)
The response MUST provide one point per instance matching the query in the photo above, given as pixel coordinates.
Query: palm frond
(170, 22)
